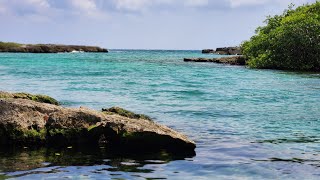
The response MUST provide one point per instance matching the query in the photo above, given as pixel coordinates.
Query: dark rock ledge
(35, 121)
(233, 60)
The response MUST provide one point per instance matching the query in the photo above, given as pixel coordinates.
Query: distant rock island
(223, 51)
(47, 48)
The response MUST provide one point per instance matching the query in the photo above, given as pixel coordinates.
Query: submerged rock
(233, 60)
(26, 122)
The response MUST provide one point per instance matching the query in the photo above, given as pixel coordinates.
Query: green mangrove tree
(287, 41)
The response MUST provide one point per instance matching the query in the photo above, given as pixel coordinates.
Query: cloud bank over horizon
(163, 24)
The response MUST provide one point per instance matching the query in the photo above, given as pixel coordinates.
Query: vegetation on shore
(287, 41)
(46, 48)
(9, 45)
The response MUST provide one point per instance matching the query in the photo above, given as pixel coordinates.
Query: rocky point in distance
(235, 56)
(233, 60)
(38, 120)
(47, 48)
(223, 51)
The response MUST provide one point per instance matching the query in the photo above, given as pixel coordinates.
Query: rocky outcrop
(224, 51)
(229, 51)
(26, 122)
(37, 97)
(48, 48)
(208, 51)
(233, 60)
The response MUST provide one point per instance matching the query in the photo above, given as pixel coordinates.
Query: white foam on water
(74, 51)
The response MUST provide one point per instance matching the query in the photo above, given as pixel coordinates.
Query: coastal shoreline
(48, 48)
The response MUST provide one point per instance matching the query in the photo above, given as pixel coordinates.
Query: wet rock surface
(25, 122)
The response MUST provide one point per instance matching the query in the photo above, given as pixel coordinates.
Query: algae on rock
(37, 97)
(25, 122)
(125, 113)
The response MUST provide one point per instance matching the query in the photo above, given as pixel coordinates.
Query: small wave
(295, 140)
(74, 51)
(314, 162)
(3, 67)
(117, 51)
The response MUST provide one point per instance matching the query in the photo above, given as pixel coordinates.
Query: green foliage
(67, 133)
(92, 127)
(5, 95)
(45, 99)
(37, 98)
(10, 133)
(125, 113)
(9, 45)
(34, 134)
(288, 41)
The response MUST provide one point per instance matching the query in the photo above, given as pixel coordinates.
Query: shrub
(8, 45)
(288, 41)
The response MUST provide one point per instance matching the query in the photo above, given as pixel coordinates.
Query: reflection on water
(22, 162)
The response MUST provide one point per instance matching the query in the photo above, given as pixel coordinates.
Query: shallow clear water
(252, 124)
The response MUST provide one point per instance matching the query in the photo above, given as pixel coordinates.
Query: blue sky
(136, 24)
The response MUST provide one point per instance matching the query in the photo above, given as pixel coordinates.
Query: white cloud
(34, 5)
(45, 9)
(141, 5)
(88, 7)
(99, 9)
(84, 5)
(132, 5)
(37, 10)
(25, 6)
(196, 3)
(3, 9)
(239, 3)
(37, 3)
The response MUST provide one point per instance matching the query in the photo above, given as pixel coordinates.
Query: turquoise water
(248, 124)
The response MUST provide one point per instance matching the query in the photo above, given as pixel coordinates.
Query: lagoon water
(247, 124)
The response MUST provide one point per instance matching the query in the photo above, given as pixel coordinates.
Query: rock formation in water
(29, 121)
(224, 51)
(208, 51)
(233, 60)
(47, 48)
